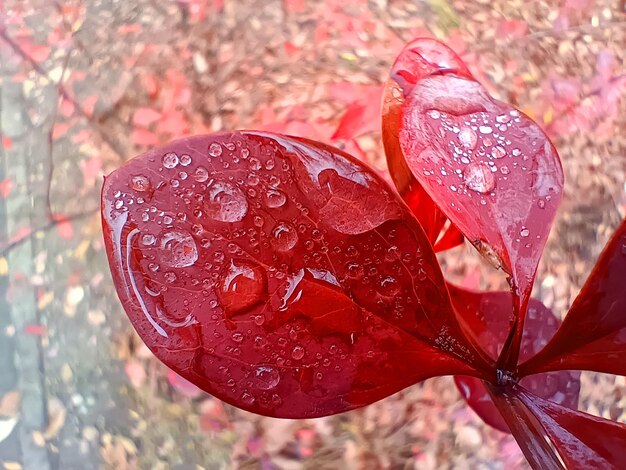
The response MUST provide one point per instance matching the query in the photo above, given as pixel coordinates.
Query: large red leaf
(581, 441)
(491, 170)
(420, 58)
(593, 334)
(279, 274)
(488, 316)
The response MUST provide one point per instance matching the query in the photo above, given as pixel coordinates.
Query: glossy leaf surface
(490, 169)
(488, 315)
(420, 58)
(593, 333)
(582, 440)
(278, 274)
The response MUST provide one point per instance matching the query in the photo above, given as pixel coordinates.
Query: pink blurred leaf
(143, 117)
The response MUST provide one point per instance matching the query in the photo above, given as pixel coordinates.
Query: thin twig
(50, 224)
(63, 92)
(49, 212)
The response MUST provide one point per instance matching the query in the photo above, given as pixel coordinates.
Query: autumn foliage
(287, 278)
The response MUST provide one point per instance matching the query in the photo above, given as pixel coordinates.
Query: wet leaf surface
(488, 316)
(278, 274)
(419, 59)
(593, 333)
(490, 169)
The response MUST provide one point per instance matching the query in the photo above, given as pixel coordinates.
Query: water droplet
(185, 160)
(479, 178)
(253, 179)
(468, 138)
(541, 204)
(148, 239)
(274, 198)
(297, 353)
(230, 146)
(140, 183)
(502, 118)
(255, 164)
(119, 204)
(516, 152)
(266, 378)
(284, 236)
(177, 249)
(524, 232)
(237, 337)
(201, 174)
(485, 129)
(504, 170)
(170, 276)
(167, 220)
(226, 202)
(170, 160)
(215, 149)
(247, 398)
(389, 286)
(498, 152)
(242, 286)
(245, 153)
(434, 114)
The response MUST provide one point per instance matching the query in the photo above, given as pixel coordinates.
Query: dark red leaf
(488, 315)
(278, 274)
(490, 169)
(593, 334)
(420, 58)
(582, 440)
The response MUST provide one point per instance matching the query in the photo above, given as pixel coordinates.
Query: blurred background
(87, 84)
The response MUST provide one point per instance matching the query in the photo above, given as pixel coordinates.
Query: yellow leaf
(12, 466)
(66, 373)
(38, 439)
(45, 300)
(4, 266)
(548, 116)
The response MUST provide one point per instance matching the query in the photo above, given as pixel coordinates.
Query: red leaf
(144, 137)
(593, 334)
(491, 170)
(7, 143)
(581, 440)
(488, 316)
(6, 185)
(359, 119)
(35, 330)
(277, 300)
(143, 117)
(420, 58)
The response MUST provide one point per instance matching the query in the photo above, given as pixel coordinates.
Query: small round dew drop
(178, 249)
(478, 177)
(170, 160)
(215, 149)
(284, 236)
(498, 152)
(201, 174)
(297, 353)
(524, 232)
(274, 198)
(185, 160)
(140, 183)
(468, 138)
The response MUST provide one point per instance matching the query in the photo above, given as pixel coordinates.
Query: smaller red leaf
(582, 440)
(143, 117)
(593, 333)
(488, 315)
(420, 58)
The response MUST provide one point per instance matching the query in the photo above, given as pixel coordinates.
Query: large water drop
(243, 285)
(177, 249)
(226, 202)
(478, 177)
